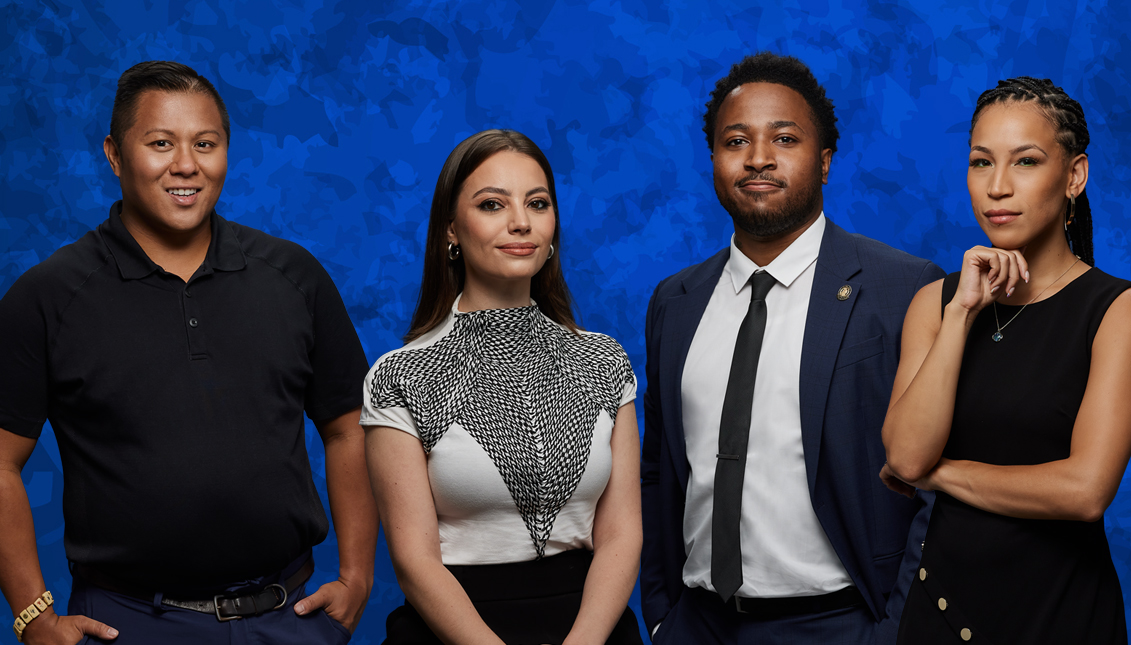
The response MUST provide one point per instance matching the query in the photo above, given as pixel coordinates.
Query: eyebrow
(1021, 148)
(772, 125)
(491, 189)
(171, 133)
(504, 191)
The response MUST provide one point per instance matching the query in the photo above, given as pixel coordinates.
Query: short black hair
(161, 75)
(768, 67)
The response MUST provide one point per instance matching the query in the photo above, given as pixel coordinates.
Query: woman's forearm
(607, 589)
(439, 598)
(398, 469)
(917, 426)
(1057, 490)
(617, 539)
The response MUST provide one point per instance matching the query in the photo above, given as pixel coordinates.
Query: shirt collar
(785, 268)
(224, 252)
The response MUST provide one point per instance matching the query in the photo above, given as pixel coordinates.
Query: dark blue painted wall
(344, 110)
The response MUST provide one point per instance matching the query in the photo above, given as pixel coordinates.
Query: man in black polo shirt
(174, 353)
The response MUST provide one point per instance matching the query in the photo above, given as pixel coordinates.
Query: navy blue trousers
(147, 623)
(693, 621)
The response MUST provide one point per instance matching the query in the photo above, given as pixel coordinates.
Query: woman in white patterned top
(502, 439)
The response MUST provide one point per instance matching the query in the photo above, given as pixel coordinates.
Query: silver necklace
(997, 335)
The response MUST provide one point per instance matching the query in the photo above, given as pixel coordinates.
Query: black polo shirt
(178, 407)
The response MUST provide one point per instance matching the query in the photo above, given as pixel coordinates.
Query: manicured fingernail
(1026, 277)
(1009, 293)
(112, 632)
(994, 290)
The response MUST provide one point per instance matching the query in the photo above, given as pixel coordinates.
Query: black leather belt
(769, 608)
(224, 607)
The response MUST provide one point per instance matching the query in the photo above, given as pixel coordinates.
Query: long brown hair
(443, 278)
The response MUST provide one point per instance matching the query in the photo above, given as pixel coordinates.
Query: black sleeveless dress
(988, 578)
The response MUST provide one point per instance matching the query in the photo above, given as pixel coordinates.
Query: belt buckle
(281, 594)
(216, 605)
(738, 605)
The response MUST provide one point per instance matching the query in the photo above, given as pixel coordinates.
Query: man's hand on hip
(343, 600)
(52, 629)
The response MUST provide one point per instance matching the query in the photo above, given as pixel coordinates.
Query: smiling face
(171, 163)
(1020, 177)
(768, 161)
(503, 221)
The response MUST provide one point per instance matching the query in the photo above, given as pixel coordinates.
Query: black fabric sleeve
(338, 361)
(23, 359)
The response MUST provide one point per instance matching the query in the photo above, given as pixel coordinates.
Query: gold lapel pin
(844, 292)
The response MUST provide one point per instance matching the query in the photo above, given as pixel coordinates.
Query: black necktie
(734, 435)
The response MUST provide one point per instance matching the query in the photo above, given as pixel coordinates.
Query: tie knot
(760, 283)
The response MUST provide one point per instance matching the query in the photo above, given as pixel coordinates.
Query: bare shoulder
(926, 306)
(1114, 333)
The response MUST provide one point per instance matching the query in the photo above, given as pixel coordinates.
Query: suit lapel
(824, 330)
(682, 314)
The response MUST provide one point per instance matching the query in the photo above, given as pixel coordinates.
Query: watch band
(33, 610)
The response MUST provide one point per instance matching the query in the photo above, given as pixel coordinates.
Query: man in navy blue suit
(770, 367)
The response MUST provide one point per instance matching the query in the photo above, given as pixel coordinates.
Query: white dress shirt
(785, 552)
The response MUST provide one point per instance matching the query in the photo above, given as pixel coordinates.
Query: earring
(453, 251)
(551, 252)
(1071, 211)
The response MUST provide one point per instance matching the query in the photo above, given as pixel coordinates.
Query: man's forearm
(351, 501)
(20, 577)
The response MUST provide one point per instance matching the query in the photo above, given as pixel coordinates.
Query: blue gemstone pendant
(997, 336)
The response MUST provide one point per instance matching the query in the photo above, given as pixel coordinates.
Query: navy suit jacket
(849, 356)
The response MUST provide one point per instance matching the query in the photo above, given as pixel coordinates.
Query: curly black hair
(768, 67)
(1067, 117)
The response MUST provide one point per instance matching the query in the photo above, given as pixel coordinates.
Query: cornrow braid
(1067, 117)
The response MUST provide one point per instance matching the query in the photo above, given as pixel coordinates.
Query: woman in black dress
(1011, 397)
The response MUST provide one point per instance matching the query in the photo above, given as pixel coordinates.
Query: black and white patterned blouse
(515, 413)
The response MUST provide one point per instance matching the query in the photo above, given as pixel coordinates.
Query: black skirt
(522, 602)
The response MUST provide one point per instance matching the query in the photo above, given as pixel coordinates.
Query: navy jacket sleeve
(654, 599)
(888, 629)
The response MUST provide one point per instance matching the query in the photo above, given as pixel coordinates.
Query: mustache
(761, 177)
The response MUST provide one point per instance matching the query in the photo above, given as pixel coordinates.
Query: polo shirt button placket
(195, 337)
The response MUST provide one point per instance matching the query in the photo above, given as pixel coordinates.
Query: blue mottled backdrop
(344, 110)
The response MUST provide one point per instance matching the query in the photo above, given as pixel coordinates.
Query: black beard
(796, 210)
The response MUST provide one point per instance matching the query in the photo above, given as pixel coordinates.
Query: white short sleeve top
(515, 414)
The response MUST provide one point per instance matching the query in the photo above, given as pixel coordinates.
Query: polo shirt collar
(224, 252)
(785, 268)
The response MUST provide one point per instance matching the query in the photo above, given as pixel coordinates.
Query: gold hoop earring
(1071, 212)
(453, 251)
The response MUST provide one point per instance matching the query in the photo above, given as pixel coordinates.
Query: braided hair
(1067, 117)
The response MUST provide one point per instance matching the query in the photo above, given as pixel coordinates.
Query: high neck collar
(457, 312)
(511, 321)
